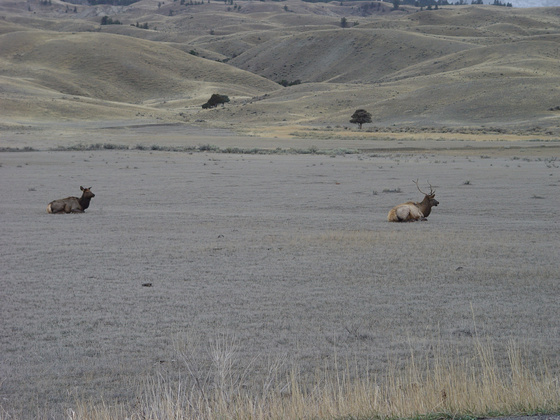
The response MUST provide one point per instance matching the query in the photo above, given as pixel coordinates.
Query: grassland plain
(266, 266)
(287, 259)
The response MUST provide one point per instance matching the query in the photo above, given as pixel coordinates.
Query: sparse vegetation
(392, 190)
(435, 385)
(18, 149)
(95, 146)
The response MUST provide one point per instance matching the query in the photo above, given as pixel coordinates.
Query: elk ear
(82, 188)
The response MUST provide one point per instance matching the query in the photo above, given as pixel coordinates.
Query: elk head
(428, 202)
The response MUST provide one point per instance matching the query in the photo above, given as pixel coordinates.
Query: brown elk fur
(411, 211)
(72, 204)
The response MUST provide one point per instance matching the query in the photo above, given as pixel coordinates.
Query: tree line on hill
(112, 2)
(129, 2)
(396, 3)
(427, 3)
(422, 3)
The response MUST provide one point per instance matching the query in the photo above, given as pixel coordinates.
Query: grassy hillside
(467, 66)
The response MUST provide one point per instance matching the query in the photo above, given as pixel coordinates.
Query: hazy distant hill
(456, 66)
(534, 3)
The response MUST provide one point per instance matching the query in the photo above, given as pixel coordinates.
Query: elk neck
(425, 206)
(84, 202)
(85, 199)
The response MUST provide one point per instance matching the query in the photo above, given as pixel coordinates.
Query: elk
(72, 204)
(411, 211)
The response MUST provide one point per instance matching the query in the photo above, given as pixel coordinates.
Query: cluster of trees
(112, 2)
(425, 3)
(428, 3)
(344, 23)
(370, 8)
(142, 25)
(183, 3)
(285, 83)
(106, 20)
(192, 3)
(499, 3)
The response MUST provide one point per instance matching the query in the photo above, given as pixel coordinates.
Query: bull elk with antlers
(411, 211)
(72, 204)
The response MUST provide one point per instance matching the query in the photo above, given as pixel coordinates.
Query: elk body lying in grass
(411, 211)
(72, 204)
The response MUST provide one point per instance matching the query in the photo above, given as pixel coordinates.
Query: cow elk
(72, 204)
(411, 211)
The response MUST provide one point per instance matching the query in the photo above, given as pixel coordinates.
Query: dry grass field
(285, 260)
(236, 262)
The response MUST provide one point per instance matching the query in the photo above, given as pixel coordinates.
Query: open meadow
(236, 261)
(263, 263)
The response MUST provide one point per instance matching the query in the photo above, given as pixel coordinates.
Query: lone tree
(215, 100)
(360, 117)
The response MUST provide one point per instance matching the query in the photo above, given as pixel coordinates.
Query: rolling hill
(459, 66)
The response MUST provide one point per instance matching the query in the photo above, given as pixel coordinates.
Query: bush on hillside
(106, 20)
(215, 100)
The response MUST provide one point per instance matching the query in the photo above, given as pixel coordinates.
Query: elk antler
(432, 191)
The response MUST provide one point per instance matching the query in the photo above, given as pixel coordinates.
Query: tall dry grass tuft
(436, 384)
